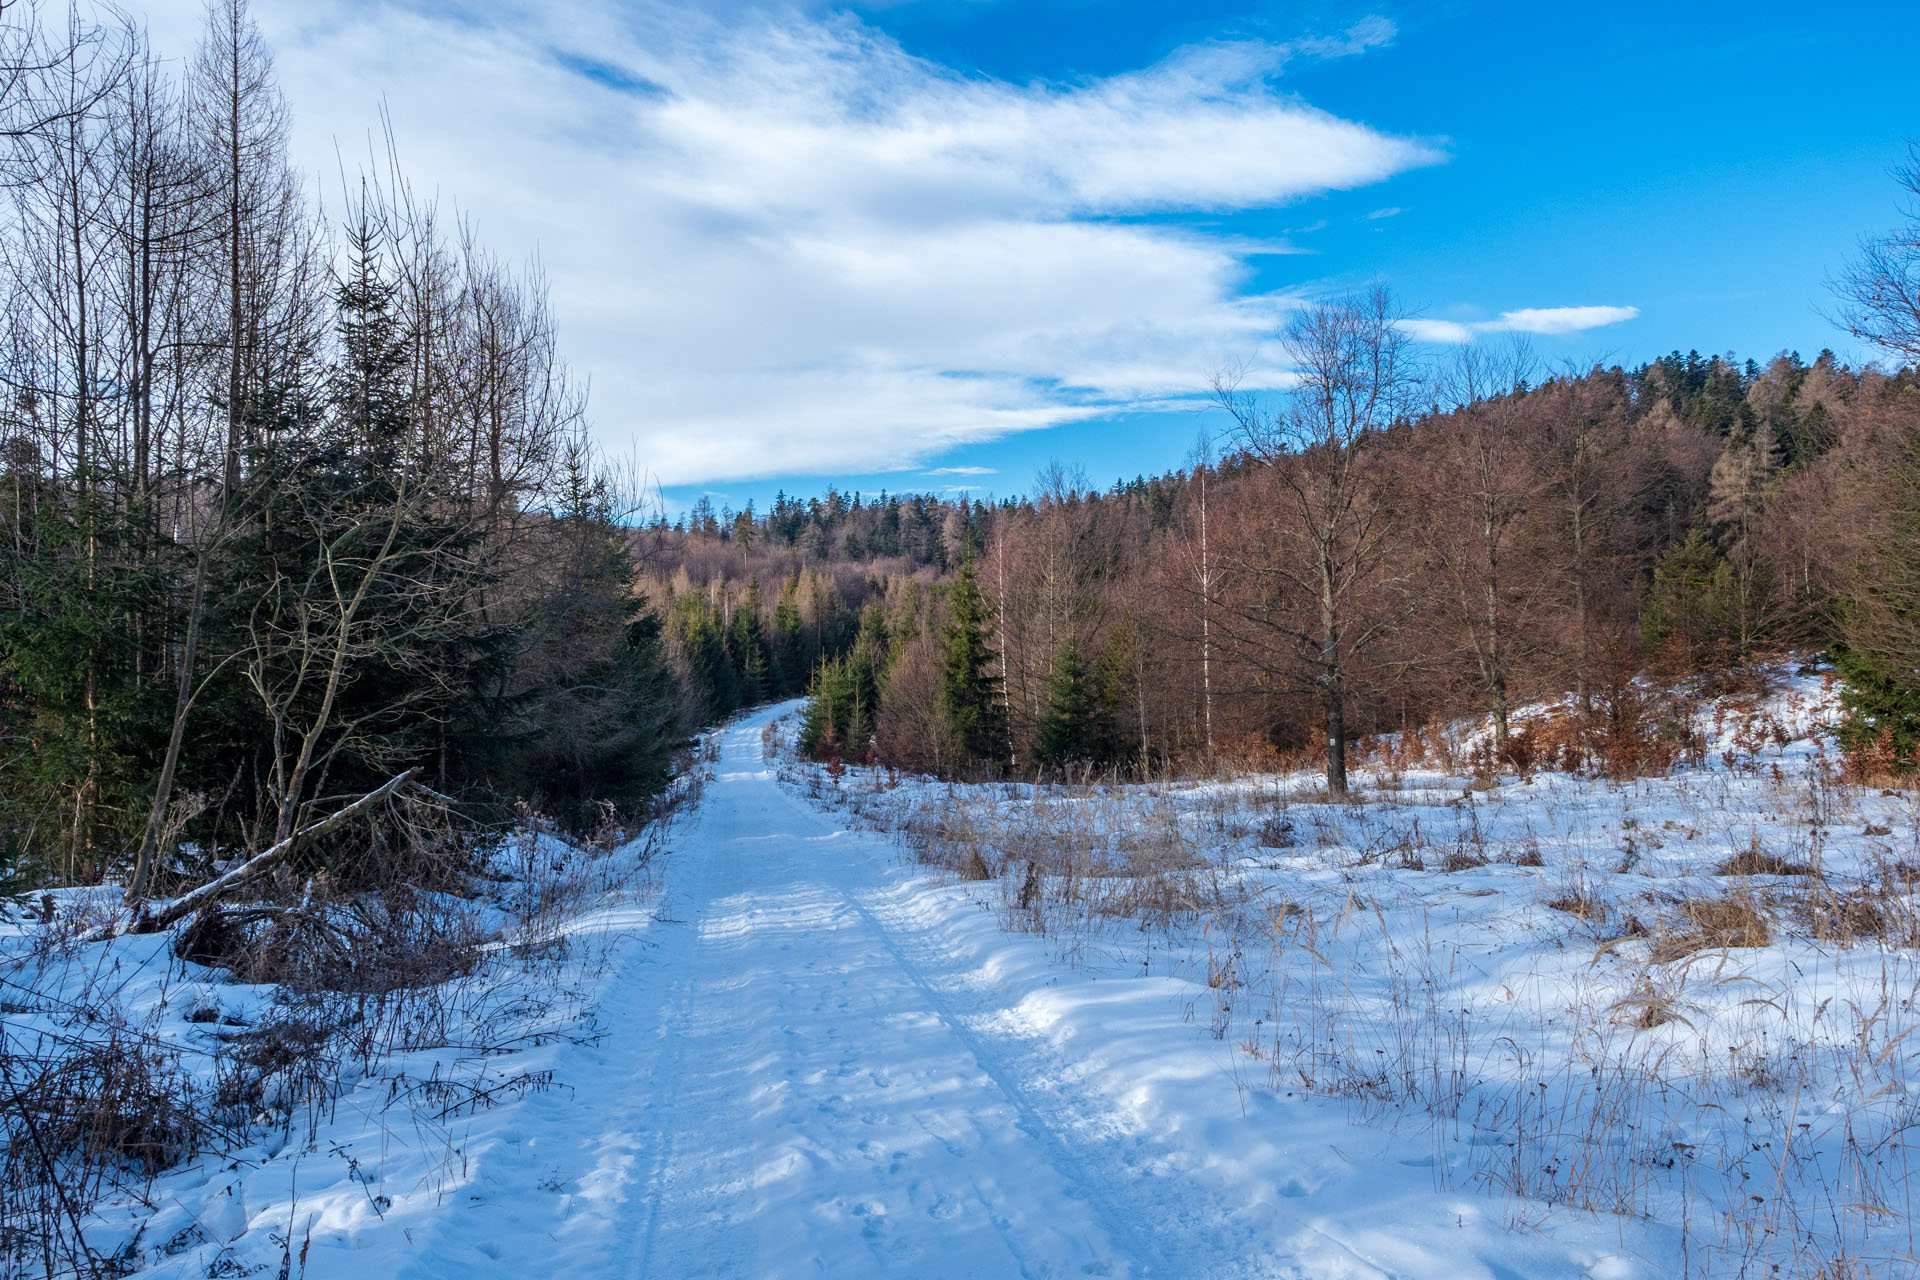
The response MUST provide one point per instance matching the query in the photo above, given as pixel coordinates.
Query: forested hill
(295, 501)
(1504, 535)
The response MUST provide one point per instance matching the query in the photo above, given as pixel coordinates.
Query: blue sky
(1707, 164)
(931, 243)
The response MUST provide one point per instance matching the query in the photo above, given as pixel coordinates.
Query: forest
(296, 495)
(1397, 543)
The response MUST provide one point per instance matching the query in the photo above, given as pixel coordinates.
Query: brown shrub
(1876, 762)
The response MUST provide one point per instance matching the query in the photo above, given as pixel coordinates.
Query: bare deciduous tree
(1481, 496)
(1322, 567)
(1879, 291)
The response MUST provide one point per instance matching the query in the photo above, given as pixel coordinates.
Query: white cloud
(1561, 320)
(780, 243)
(961, 471)
(1548, 321)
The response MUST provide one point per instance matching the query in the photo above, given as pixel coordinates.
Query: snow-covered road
(789, 1088)
(816, 1104)
(820, 1063)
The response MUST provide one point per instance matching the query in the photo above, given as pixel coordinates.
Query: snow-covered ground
(1670, 1017)
(1175, 1031)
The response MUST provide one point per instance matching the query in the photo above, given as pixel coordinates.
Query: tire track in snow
(674, 1028)
(1060, 1156)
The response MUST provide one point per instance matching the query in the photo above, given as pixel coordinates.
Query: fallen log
(252, 869)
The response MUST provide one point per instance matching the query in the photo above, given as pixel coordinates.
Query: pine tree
(831, 714)
(350, 587)
(1690, 607)
(1070, 730)
(869, 655)
(1880, 622)
(969, 685)
(747, 644)
(1882, 703)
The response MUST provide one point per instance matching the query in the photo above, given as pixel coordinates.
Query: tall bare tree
(1322, 574)
(1482, 490)
(240, 121)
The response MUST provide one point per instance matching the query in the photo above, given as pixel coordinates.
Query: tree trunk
(163, 789)
(1336, 743)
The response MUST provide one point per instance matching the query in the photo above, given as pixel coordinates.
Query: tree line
(294, 496)
(1397, 540)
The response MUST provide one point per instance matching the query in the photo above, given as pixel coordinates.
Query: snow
(1393, 967)
(820, 1061)
(805, 1053)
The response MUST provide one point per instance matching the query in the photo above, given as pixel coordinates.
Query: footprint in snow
(944, 1209)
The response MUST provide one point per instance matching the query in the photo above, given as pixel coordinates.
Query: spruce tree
(1070, 731)
(1879, 657)
(830, 716)
(969, 687)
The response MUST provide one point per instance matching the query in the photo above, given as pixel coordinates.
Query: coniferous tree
(354, 578)
(970, 700)
(1879, 656)
(1070, 731)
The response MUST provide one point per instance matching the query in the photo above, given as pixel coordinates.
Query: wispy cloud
(780, 243)
(961, 471)
(1546, 321)
(1391, 211)
(1371, 32)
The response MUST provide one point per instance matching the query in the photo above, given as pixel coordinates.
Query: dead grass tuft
(1648, 1007)
(1757, 860)
(1578, 900)
(1705, 924)
(1526, 855)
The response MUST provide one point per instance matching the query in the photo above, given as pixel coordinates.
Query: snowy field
(1492, 1024)
(1465, 1026)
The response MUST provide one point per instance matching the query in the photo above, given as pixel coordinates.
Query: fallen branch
(247, 872)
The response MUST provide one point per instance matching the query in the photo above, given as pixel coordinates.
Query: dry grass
(1065, 856)
(94, 1104)
(1668, 1079)
(1756, 860)
(1881, 911)
(82, 1115)
(1577, 899)
(1708, 923)
(1647, 1007)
